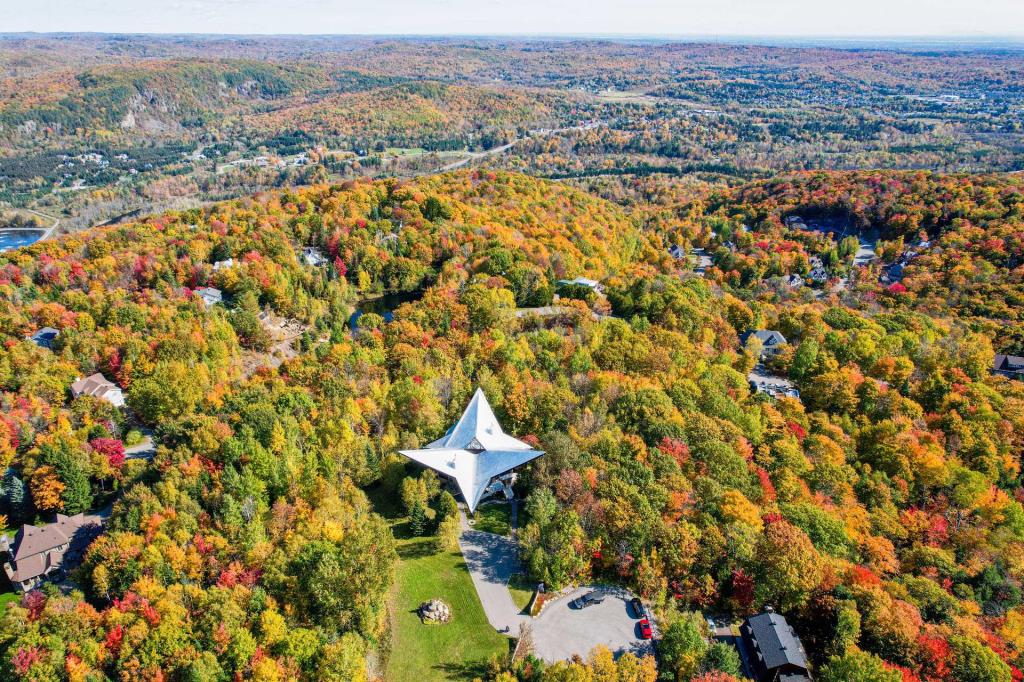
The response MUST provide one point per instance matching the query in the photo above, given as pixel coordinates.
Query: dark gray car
(589, 599)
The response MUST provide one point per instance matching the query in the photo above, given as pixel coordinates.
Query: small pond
(15, 239)
(383, 306)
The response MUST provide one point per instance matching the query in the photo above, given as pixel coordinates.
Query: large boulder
(435, 611)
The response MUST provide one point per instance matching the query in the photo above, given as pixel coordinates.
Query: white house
(314, 257)
(582, 282)
(224, 265)
(475, 453)
(98, 387)
(210, 296)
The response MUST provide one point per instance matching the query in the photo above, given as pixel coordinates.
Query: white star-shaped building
(475, 451)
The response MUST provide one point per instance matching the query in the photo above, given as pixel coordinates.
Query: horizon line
(893, 37)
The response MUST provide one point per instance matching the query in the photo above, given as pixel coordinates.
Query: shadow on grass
(417, 550)
(402, 530)
(384, 502)
(464, 670)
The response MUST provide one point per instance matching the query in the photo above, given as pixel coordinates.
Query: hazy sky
(649, 17)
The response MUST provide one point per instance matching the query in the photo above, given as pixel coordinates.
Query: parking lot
(562, 631)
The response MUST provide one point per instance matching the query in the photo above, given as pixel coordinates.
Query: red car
(645, 629)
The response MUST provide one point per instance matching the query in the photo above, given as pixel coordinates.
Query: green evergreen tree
(72, 472)
(14, 497)
(418, 519)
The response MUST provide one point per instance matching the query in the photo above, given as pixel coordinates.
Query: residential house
(774, 650)
(677, 252)
(582, 282)
(46, 552)
(314, 257)
(818, 272)
(98, 387)
(224, 265)
(45, 337)
(771, 340)
(210, 296)
(1011, 366)
(892, 273)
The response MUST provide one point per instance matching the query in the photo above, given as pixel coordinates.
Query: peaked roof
(96, 385)
(474, 451)
(768, 337)
(1008, 363)
(776, 641)
(31, 539)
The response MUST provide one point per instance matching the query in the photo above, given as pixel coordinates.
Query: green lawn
(493, 518)
(521, 588)
(7, 598)
(405, 151)
(456, 650)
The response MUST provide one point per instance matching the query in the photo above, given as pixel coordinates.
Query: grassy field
(492, 518)
(456, 650)
(521, 588)
(405, 151)
(7, 598)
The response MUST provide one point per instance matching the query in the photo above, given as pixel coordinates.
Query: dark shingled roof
(1008, 363)
(776, 641)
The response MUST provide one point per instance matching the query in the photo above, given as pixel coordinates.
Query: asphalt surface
(492, 560)
(562, 631)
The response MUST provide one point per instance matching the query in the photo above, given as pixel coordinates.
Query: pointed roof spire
(474, 451)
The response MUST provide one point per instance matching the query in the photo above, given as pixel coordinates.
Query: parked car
(638, 608)
(588, 599)
(646, 632)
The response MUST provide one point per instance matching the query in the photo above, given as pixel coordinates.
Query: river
(15, 239)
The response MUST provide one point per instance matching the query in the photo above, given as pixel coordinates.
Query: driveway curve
(560, 631)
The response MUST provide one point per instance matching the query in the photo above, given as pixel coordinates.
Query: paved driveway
(492, 560)
(562, 631)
